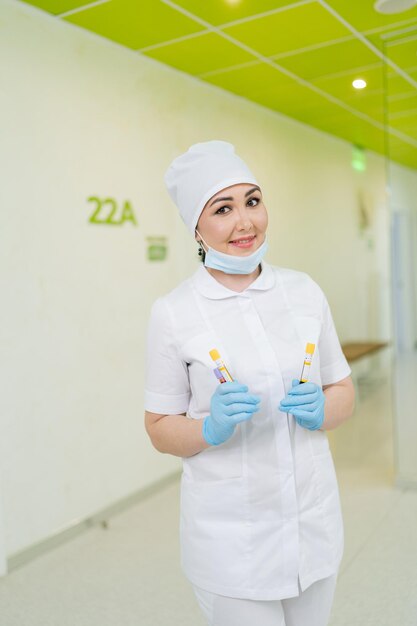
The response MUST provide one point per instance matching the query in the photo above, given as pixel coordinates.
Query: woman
(261, 527)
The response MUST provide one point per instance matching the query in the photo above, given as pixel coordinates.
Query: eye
(223, 210)
(255, 199)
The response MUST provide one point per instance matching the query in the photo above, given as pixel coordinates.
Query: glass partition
(400, 79)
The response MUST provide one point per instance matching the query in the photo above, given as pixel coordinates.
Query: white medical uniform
(260, 513)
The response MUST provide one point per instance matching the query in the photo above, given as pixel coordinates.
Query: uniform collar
(209, 287)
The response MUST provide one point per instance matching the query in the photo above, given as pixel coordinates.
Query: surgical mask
(230, 264)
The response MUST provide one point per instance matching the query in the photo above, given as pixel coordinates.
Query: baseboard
(98, 519)
(406, 483)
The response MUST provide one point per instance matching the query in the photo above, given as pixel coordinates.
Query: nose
(243, 221)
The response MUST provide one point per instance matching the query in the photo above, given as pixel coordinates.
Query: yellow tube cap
(310, 348)
(214, 354)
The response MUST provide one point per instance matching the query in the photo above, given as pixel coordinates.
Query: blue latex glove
(230, 404)
(305, 402)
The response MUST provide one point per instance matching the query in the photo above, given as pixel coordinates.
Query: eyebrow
(230, 198)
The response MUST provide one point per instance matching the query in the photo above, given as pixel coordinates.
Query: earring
(200, 251)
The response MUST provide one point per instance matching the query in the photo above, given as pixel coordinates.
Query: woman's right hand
(230, 404)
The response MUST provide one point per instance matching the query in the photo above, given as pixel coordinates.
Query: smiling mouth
(243, 239)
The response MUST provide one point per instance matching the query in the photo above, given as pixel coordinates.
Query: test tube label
(220, 371)
(219, 375)
(309, 351)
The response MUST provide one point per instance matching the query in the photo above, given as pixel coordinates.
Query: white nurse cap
(205, 169)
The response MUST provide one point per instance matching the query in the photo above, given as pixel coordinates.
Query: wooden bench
(355, 350)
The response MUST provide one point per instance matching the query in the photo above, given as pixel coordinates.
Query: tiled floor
(378, 577)
(129, 575)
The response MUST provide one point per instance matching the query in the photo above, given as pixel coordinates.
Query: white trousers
(311, 608)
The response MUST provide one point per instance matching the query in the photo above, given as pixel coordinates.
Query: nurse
(261, 527)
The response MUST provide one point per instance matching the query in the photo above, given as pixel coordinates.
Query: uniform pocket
(217, 463)
(308, 328)
(319, 442)
(203, 381)
(213, 531)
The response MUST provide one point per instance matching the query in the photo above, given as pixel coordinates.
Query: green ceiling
(295, 57)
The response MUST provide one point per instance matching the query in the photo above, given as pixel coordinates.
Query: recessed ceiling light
(394, 6)
(359, 83)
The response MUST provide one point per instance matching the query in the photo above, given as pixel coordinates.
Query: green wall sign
(107, 212)
(157, 248)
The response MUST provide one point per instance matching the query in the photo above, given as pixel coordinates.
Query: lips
(243, 239)
(244, 243)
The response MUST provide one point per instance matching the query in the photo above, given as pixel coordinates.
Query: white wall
(81, 117)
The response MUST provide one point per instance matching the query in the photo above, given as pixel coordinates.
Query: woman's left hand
(305, 402)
